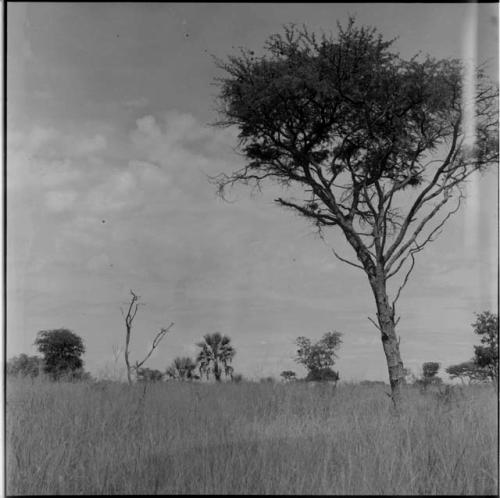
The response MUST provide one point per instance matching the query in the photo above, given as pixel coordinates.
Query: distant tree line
(483, 367)
(212, 361)
(62, 352)
(484, 364)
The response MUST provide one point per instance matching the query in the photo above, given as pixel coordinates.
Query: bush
(322, 375)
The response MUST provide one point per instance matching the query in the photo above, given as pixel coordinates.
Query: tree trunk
(217, 371)
(390, 343)
(127, 362)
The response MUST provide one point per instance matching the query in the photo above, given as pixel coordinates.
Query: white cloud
(58, 201)
(49, 143)
(147, 129)
(92, 145)
(40, 136)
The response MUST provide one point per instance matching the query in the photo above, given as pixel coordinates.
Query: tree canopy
(182, 368)
(467, 370)
(486, 355)
(25, 366)
(364, 141)
(430, 369)
(320, 356)
(149, 375)
(62, 350)
(215, 356)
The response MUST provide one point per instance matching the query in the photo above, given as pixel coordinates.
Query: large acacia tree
(362, 140)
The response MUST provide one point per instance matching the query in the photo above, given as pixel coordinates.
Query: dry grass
(247, 438)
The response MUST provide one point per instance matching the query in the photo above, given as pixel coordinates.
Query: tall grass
(247, 438)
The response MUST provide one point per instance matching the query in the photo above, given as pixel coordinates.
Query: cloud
(124, 209)
(139, 212)
(58, 201)
(147, 130)
(92, 145)
(50, 143)
(41, 136)
(138, 103)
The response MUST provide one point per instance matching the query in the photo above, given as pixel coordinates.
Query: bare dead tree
(129, 319)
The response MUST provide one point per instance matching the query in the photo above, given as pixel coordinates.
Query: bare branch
(159, 336)
(347, 261)
(419, 200)
(405, 280)
(429, 238)
(419, 228)
(129, 319)
(374, 323)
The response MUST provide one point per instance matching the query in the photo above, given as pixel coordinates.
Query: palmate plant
(182, 369)
(215, 356)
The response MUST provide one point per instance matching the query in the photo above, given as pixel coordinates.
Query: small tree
(288, 375)
(322, 375)
(149, 375)
(25, 366)
(215, 356)
(182, 369)
(267, 380)
(467, 370)
(320, 356)
(62, 350)
(429, 374)
(365, 142)
(486, 355)
(129, 319)
(237, 378)
(430, 370)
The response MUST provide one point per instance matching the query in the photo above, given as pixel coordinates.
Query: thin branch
(428, 239)
(347, 261)
(405, 280)
(371, 320)
(419, 228)
(419, 200)
(159, 336)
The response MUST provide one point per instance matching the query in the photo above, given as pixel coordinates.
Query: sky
(109, 146)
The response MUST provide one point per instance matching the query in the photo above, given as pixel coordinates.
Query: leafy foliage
(467, 370)
(364, 140)
(25, 366)
(429, 375)
(62, 350)
(486, 355)
(215, 356)
(182, 369)
(430, 369)
(149, 375)
(350, 112)
(320, 355)
(322, 374)
(288, 375)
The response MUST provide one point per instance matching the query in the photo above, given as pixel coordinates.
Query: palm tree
(182, 369)
(215, 355)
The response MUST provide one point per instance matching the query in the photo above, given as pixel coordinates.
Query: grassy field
(247, 438)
